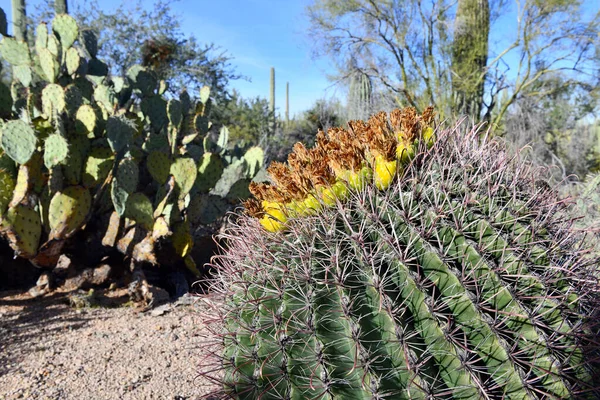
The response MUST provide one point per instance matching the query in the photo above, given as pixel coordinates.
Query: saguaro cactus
(19, 17)
(469, 55)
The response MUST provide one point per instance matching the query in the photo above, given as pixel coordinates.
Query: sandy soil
(51, 350)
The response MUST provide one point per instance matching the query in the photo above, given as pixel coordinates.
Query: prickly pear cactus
(81, 148)
(395, 261)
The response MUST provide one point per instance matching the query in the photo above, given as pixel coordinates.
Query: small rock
(45, 280)
(101, 274)
(160, 310)
(44, 285)
(64, 267)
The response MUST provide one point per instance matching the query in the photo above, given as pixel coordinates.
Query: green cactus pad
(194, 151)
(119, 198)
(184, 171)
(119, 132)
(68, 211)
(56, 150)
(139, 208)
(50, 65)
(6, 163)
(255, 158)
(163, 86)
(7, 185)
(143, 80)
(105, 96)
(159, 166)
(186, 102)
(85, 119)
(97, 166)
(96, 71)
(73, 100)
(231, 174)
(155, 142)
(182, 239)
(155, 109)
(86, 87)
(201, 124)
(72, 167)
(209, 172)
(23, 229)
(54, 47)
(239, 191)
(222, 140)
(41, 36)
(18, 141)
(204, 94)
(128, 175)
(175, 112)
(23, 185)
(23, 74)
(90, 42)
(53, 99)
(206, 209)
(65, 27)
(14, 51)
(72, 60)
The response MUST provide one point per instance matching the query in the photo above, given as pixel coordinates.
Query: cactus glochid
(392, 262)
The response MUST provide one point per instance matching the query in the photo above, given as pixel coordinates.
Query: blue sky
(258, 34)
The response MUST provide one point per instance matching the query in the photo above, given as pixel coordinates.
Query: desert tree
(439, 52)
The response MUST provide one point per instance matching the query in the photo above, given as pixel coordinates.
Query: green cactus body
(68, 211)
(18, 141)
(454, 278)
(209, 172)
(14, 52)
(7, 185)
(127, 175)
(159, 166)
(184, 171)
(139, 208)
(49, 64)
(23, 228)
(78, 145)
(56, 150)
(97, 166)
(65, 27)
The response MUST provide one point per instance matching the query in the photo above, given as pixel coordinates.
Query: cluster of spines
(341, 160)
(461, 281)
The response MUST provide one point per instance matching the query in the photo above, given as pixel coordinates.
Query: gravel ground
(49, 350)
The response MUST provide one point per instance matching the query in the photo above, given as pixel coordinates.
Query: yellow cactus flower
(275, 210)
(270, 224)
(405, 151)
(356, 180)
(312, 204)
(330, 194)
(428, 136)
(384, 172)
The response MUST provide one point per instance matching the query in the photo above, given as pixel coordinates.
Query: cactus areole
(398, 261)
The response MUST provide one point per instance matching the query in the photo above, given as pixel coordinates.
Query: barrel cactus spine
(449, 272)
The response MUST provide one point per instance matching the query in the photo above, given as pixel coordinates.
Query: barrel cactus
(398, 261)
